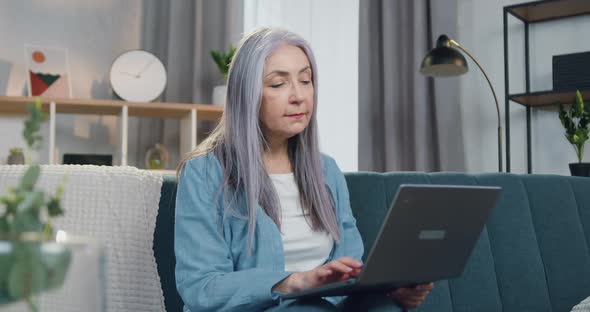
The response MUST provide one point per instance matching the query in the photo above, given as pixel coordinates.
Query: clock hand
(146, 67)
(129, 74)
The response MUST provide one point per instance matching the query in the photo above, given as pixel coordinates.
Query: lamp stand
(456, 44)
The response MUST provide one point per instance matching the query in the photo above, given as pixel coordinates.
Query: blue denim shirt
(214, 270)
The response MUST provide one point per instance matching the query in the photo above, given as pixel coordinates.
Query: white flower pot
(219, 94)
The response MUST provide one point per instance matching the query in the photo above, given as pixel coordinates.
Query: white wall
(94, 32)
(331, 27)
(481, 32)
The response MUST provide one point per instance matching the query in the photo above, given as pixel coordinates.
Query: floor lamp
(445, 61)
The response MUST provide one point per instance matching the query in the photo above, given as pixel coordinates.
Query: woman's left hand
(411, 297)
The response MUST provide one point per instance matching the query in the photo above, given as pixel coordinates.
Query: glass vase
(157, 157)
(59, 274)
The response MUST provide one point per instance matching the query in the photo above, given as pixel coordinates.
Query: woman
(254, 216)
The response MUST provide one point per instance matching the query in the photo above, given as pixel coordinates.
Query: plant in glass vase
(28, 265)
(576, 122)
(157, 157)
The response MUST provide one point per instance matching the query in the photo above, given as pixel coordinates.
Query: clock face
(138, 76)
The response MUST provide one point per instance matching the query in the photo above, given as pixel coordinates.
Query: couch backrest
(533, 254)
(164, 245)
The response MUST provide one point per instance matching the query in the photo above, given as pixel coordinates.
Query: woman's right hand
(334, 271)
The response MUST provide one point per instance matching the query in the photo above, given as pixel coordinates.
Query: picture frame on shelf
(48, 72)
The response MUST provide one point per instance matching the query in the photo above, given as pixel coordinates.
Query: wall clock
(138, 76)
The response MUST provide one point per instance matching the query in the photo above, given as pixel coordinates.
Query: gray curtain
(407, 122)
(182, 33)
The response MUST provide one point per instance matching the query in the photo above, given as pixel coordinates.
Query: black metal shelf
(532, 13)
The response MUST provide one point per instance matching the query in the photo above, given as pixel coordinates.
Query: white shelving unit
(188, 114)
(164, 172)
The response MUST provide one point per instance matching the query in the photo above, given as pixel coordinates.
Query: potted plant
(576, 123)
(16, 156)
(222, 60)
(27, 266)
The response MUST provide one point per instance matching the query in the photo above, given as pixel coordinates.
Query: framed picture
(48, 72)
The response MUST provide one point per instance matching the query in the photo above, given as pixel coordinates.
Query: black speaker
(571, 71)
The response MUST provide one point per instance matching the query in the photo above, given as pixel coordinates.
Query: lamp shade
(443, 60)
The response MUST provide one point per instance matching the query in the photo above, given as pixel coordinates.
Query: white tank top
(304, 249)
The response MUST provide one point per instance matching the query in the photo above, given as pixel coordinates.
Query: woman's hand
(333, 271)
(411, 297)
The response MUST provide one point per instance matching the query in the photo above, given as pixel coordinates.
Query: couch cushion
(561, 238)
(513, 241)
(370, 196)
(581, 189)
(479, 269)
(164, 245)
(368, 202)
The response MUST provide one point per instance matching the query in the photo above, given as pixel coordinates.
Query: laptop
(428, 235)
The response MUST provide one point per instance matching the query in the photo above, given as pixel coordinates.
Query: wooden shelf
(545, 98)
(541, 11)
(18, 105)
(163, 172)
(188, 114)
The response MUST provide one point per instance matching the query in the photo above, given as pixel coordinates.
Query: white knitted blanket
(117, 206)
(582, 306)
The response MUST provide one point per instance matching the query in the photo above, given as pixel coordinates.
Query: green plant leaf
(581, 135)
(218, 58)
(5, 200)
(579, 101)
(61, 187)
(576, 139)
(27, 275)
(54, 207)
(16, 151)
(232, 50)
(27, 222)
(32, 202)
(576, 123)
(223, 60)
(10, 203)
(30, 177)
(4, 225)
(33, 125)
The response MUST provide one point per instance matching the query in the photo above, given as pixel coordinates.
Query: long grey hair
(238, 141)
